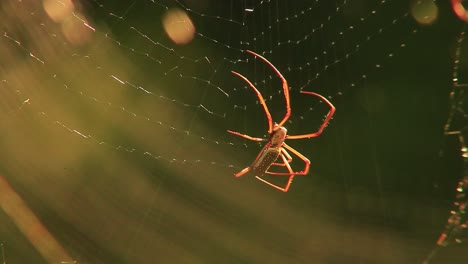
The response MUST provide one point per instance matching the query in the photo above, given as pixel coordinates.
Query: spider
(276, 147)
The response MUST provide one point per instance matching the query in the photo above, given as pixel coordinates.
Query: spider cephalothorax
(276, 146)
(278, 136)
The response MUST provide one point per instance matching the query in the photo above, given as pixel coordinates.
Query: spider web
(102, 101)
(201, 80)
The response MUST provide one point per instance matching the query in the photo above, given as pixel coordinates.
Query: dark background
(120, 175)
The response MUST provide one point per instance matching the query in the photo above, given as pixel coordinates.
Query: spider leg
(289, 158)
(242, 172)
(262, 101)
(291, 177)
(249, 168)
(302, 157)
(325, 122)
(247, 136)
(286, 154)
(285, 87)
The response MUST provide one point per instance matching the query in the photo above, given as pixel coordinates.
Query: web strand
(120, 85)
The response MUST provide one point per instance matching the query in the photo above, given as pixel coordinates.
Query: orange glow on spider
(459, 9)
(178, 26)
(425, 12)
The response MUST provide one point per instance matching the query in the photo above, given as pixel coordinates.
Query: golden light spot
(425, 12)
(76, 30)
(178, 26)
(459, 9)
(58, 10)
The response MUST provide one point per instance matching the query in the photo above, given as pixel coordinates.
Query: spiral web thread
(340, 51)
(334, 56)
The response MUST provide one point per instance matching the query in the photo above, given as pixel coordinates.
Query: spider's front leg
(247, 136)
(327, 119)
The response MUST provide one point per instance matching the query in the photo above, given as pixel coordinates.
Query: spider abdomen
(264, 161)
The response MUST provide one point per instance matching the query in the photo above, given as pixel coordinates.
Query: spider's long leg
(325, 122)
(285, 87)
(262, 101)
(302, 157)
(247, 136)
(242, 172)
(286, 154)
(291, 177)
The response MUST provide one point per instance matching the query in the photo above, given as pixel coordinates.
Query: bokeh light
(75, 28)
(178, 26)
(58, 10)
(459, 9)
(425, 12)
(76, 31)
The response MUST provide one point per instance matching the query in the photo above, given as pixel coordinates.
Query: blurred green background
(106, 136)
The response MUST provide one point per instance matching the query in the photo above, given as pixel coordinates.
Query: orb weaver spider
(276, 147)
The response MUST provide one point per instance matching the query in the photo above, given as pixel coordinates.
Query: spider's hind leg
(289, 158)
(290, 174)
(242, 172)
